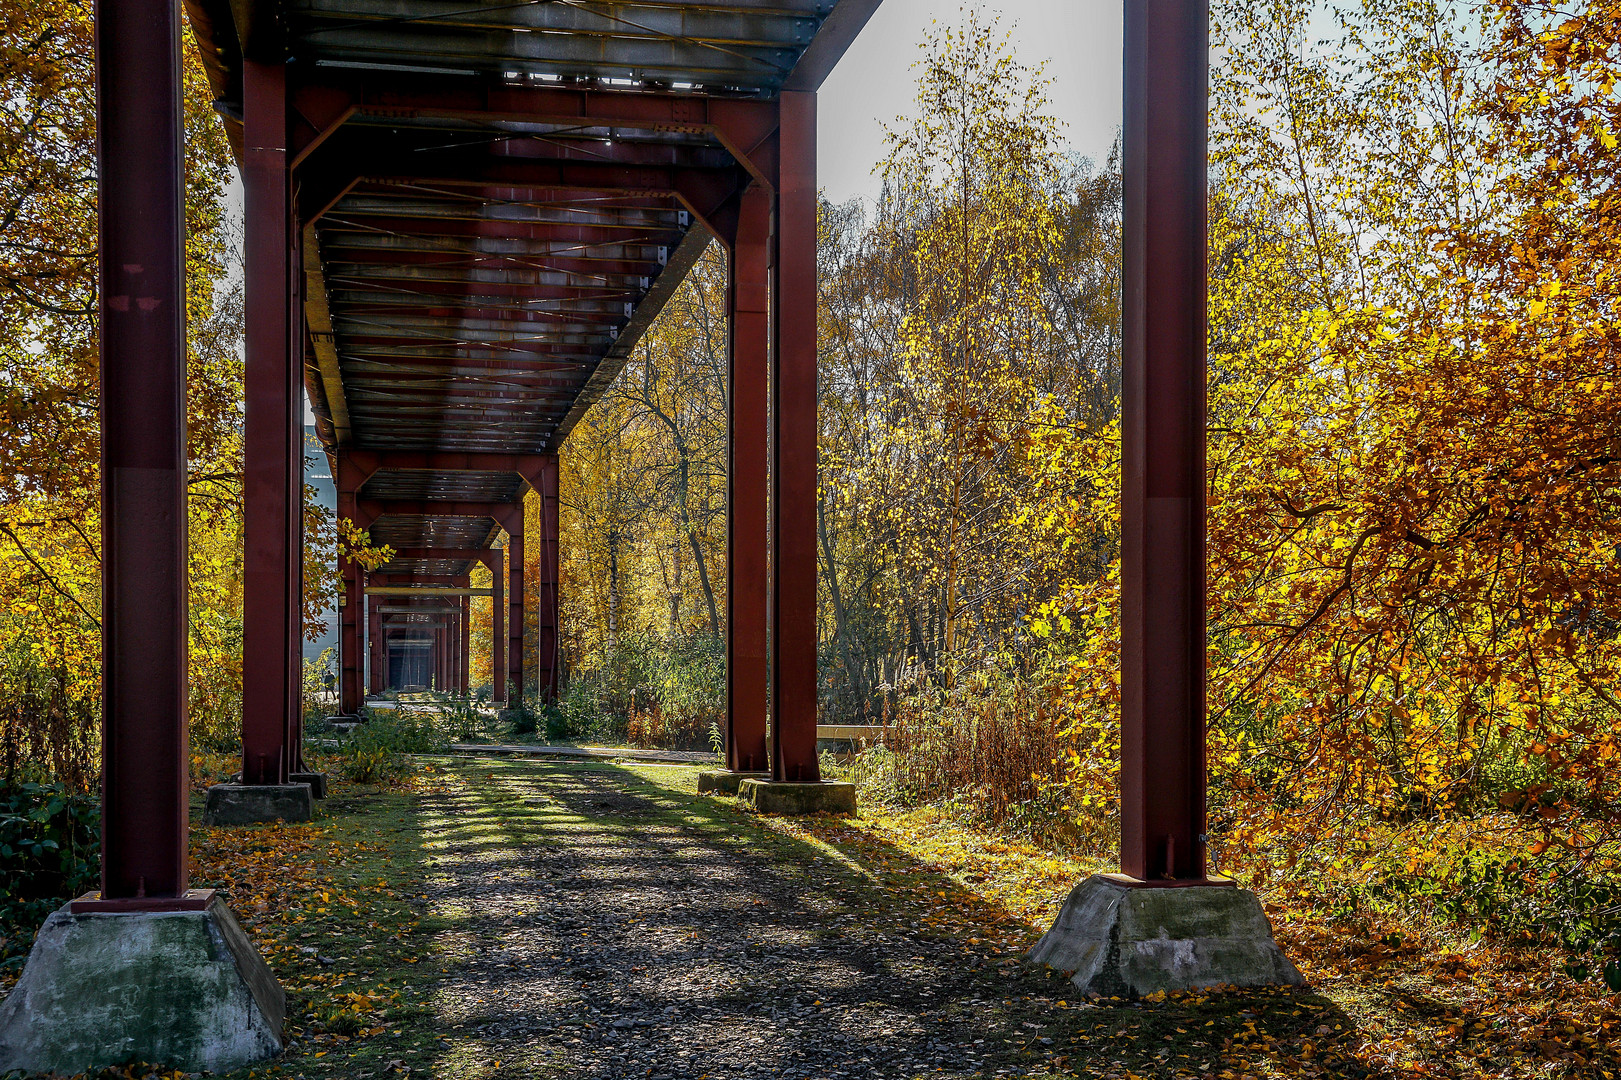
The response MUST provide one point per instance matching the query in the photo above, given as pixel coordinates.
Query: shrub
(49, 722)
(375, 752)
(50, 841)
(650, 691)
(374, 766)
(463, 719)
(214, 685)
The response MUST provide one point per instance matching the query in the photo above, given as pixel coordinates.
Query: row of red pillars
(362, 630)
(144, 476)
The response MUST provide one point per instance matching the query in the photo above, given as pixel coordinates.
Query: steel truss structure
(460, 220)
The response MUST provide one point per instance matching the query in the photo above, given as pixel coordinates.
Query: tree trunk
(613, 591)
(703, 582)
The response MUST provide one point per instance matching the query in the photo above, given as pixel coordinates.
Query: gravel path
(606, 927)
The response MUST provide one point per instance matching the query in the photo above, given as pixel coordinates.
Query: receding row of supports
(362, 630)
(769, 230)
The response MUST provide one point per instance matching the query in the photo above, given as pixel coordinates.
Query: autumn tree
(49, 498)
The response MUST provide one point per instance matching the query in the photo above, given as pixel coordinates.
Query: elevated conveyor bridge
(461, 218)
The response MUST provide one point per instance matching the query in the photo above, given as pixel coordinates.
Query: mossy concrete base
(793, 797)
(251, 804)
(508, 716)
(316, 781)
(1117, 939)
(725, 781)
(180, 989)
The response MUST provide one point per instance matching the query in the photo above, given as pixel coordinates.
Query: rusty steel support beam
(441, 659)
(793, 449)
(548, 667)
(515, 619)
(350, 664)
(421, 590)
(372, 461)
(351, 660)
(142, 307)
(296, 330)
(467, 643)
(498, 627)
(747, 525)
(348, 477)
(272, 437)
(1162, 555)
(378, 647)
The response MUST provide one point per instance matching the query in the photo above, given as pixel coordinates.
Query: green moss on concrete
(725, 781)
(779, 797)
(183, 989)
(254, 804)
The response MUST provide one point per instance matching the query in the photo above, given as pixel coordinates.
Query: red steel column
(378, 646)
(466, 640)
(142, 307)
(749, 437)
(272, 408)
(350, 662)
(515, 611)
(1162, 557)
(349, 658)
(295, 501)
(498, 627)
(548, 669)
(441, 659)
(453, 654)
(793, 449)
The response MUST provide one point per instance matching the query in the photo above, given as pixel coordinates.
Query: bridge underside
(460, 222)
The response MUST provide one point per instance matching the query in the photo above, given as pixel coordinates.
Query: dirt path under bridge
(512, 918)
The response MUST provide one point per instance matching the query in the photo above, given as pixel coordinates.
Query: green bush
(50, 844)
(375, 752)
(404, 733)
(461, 718)
(1510, 896)
(374, 766)
(648, 691)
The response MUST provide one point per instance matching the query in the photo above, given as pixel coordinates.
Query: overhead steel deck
(477, 272)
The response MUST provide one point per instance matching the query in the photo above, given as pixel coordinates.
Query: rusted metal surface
(377, 650)
(719, 47)
(1162, 572)
(424, 590)
(498, 633)
(272, 436)
(515, 618)
(466, 642)
(793, 450)
(548, 660)
(748, 449)
(141, 303)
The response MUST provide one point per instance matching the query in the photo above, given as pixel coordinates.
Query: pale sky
(872, 85)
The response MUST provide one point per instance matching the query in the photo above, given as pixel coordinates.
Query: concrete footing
(794, 797)
(725, 781)
(1118, 938)
(251, 804)
(316, 781)
(182, 989)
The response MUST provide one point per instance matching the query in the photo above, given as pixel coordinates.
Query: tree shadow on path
(597, 925)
